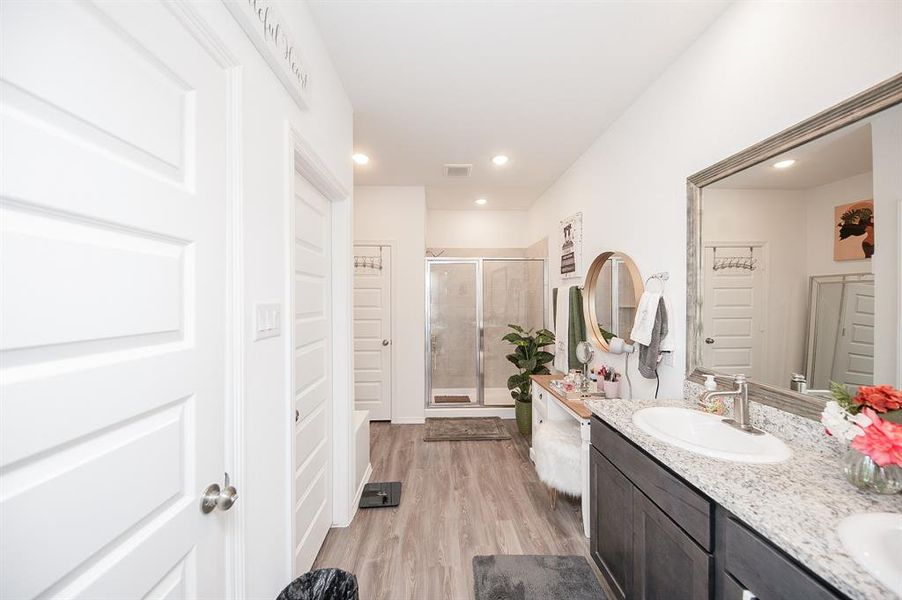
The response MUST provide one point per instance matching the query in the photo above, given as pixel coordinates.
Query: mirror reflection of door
(841, 331)
(733, 319)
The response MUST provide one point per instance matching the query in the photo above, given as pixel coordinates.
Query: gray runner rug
(509, 577)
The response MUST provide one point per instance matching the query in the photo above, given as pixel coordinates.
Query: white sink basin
(707, 434)
(874, 540)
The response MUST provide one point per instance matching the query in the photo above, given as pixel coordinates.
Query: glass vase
(865, 474)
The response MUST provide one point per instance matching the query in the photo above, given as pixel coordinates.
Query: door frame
(301, 159)
(392, 246)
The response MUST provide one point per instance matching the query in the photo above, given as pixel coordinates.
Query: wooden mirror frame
(589, 314)
(861, 106)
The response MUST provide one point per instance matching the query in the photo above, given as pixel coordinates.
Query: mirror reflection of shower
(470, 302)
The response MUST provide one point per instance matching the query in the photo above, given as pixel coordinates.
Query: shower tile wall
(513, 293)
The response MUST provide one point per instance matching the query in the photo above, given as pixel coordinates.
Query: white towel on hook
(562, 330)
(668, 342)
(645, 317)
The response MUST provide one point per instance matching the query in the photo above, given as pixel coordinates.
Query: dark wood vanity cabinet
(641, 551)
(611, 540)
(654, 536)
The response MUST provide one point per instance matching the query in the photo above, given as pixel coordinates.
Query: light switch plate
(267, 320)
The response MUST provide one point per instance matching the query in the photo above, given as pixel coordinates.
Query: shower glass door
(470, 303)
(452, 332)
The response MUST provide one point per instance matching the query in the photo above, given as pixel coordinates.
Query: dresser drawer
(764, 570)
(689, 509)
(540, 401)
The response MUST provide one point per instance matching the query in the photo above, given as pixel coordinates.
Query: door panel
(312, 372)
(733, 315)
(611, 516)
(372, 329)
(667, 563)
(112, 281)
(854, 361)
(454, 333)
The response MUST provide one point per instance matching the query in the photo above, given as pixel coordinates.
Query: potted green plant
(530, 359)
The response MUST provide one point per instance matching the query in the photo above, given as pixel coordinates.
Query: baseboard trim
(356, 504)
(408, 420)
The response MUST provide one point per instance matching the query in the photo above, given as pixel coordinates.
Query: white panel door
(112, 318)
(372, 333)
(311, 372)
(732, 316)
(854, 359)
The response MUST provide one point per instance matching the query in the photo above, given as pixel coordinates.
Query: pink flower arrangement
(881, 440)
(882, 398)
(870, 420)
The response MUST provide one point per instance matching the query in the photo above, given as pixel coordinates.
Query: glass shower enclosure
(469, 303)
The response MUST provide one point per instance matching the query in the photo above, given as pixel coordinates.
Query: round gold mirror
(610, 298)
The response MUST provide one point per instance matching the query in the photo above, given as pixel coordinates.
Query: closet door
(112, 287)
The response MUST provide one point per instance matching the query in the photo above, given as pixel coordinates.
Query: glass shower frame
(479, 346)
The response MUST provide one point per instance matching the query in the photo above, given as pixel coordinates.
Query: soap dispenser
(713, 405)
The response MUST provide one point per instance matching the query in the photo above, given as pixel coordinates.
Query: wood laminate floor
(459, 499)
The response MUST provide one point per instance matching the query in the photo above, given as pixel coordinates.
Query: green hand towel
(576, 329)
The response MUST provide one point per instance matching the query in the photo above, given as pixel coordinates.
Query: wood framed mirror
(611, 295)
(731, 180)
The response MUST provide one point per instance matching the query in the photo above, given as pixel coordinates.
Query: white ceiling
(841, 154)
(459, 81)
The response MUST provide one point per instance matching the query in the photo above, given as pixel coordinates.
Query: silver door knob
(709, 340)
(215, 497)
(385, 342)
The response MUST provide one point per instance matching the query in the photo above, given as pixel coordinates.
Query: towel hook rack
(662, 277)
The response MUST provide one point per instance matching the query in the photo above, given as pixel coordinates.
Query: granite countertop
(796, 504)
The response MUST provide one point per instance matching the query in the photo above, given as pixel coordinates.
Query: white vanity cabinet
(548, 406)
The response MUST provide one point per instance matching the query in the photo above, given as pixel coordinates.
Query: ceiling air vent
(458, 170)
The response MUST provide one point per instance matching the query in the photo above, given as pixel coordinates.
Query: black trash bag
(322, 584)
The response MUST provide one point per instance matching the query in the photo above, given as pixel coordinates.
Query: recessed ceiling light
(361, 159)
(481, 201)
(785, 164)
(500, 160)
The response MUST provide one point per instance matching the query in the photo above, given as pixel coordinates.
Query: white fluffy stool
(557, 451)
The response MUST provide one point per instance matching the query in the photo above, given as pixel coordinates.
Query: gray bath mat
(465, 429)
(452, 399)
(508, 577)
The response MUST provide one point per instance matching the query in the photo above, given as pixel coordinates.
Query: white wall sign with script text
(267, 30)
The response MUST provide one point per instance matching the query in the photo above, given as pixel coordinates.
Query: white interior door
(311, 372)
(111, 299)
(854, 359)
(372, 331)
(733, 315)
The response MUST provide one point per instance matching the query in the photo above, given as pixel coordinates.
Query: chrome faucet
(742, 420)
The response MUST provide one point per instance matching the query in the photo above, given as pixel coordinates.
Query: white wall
(820, 225)
(759, 69)
(398, 214)
(477, 229)
(886, 135)
(266, 110)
